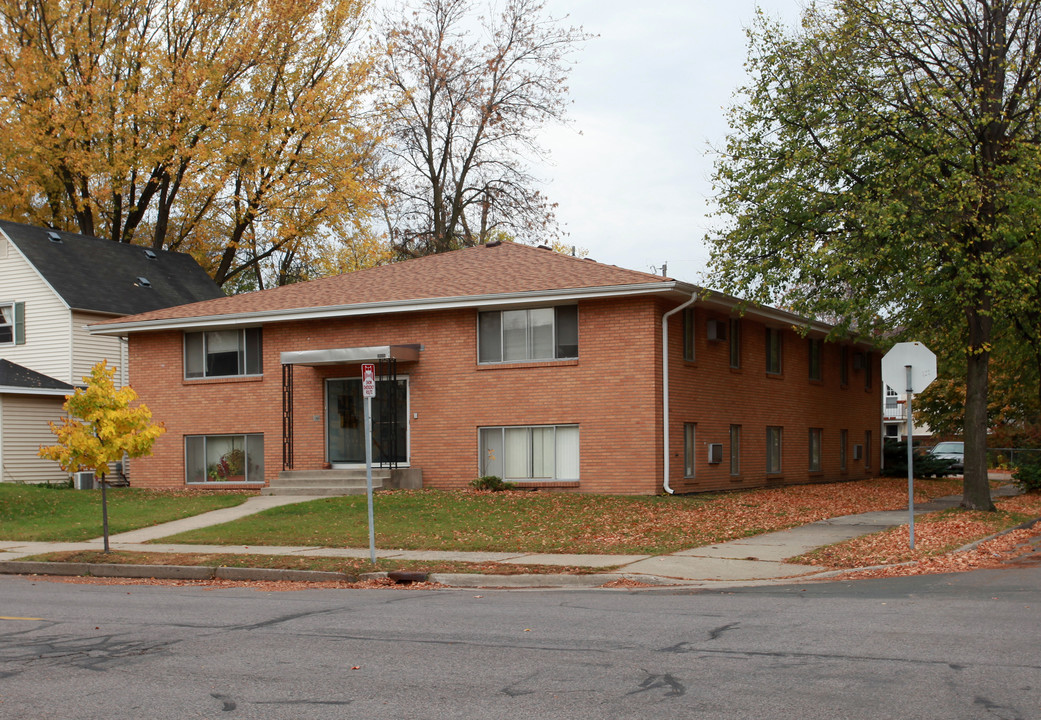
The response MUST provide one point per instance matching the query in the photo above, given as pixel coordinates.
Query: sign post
(368, 391)
(913, 366)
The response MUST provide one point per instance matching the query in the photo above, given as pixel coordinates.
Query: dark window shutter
(19, 323)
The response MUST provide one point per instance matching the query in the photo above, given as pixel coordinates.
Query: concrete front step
(318, 491)
(325, 482)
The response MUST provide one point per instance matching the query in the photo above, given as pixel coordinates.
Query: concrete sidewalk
(748, 561)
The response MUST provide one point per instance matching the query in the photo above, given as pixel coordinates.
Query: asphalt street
(944, 646)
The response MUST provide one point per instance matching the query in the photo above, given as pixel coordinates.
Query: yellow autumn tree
(235, 130)
(102, 426)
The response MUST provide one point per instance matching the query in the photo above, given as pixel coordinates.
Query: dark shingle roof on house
(481, 271)
(17, 376)
(105, 276)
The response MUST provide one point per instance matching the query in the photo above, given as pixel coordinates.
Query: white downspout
(665, 386)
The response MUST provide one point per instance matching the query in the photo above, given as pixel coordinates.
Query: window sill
(775, 376)
(220, 380)
(527, 364)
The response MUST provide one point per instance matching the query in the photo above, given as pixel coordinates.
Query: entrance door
(345, 422)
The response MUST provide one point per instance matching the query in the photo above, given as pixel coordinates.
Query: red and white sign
(368, 380)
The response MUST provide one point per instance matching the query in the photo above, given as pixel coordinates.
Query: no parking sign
(368, 380)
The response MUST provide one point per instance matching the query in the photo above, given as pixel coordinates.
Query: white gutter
(665, 386)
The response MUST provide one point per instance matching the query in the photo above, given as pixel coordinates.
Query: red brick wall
(608, 393)
(612, 392)
(711, 394)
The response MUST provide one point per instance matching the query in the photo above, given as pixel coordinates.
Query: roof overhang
(48, 392)
(203, 322)
(350, 356)
(675, 290)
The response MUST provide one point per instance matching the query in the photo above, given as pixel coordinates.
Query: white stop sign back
(914, 354)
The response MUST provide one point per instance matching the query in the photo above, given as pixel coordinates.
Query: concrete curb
(206, 572)
(170, 572)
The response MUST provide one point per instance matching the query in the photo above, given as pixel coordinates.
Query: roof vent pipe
(665, 389)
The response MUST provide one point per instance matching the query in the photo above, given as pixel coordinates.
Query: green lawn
(555, 522)
(42, 513)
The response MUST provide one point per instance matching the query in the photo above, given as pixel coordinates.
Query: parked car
(950, 450)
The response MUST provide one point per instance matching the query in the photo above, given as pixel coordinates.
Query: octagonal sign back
(922, 362)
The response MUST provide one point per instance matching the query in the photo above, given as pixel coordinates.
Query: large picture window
(222, 353)
(539, 452)
(224, 458)
(524, 335)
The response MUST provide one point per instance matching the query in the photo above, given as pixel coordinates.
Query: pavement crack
(716, 632)
(663, 681)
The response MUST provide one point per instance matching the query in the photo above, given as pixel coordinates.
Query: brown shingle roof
(471, 272)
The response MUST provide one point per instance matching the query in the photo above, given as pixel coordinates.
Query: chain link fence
(1009, 458)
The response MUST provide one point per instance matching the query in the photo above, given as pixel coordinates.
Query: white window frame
(245, 359)
(484, 452)
(530, 355)
(15, 311)
(247, 439)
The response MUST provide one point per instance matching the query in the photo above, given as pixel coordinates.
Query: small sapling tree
(100, 428)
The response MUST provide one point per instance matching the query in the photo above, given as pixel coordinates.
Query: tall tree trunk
(975, 486)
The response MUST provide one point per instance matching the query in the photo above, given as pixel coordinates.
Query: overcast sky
(649, 98)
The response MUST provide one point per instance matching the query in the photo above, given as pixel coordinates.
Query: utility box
(83, 480)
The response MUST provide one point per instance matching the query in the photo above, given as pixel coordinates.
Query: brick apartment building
(504, 360)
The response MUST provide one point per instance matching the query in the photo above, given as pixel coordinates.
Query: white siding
(23, 429)
(88, 350)
(47, 320)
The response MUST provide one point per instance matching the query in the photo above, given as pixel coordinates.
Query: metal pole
(910, 460)
(368, 476)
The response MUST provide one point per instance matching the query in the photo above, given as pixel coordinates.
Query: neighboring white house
(894, 417)
(52, 285)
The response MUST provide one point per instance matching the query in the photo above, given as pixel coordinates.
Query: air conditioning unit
(83, 480)
(858, 452)
(715, 453)
(858, 361)
(717, 330)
